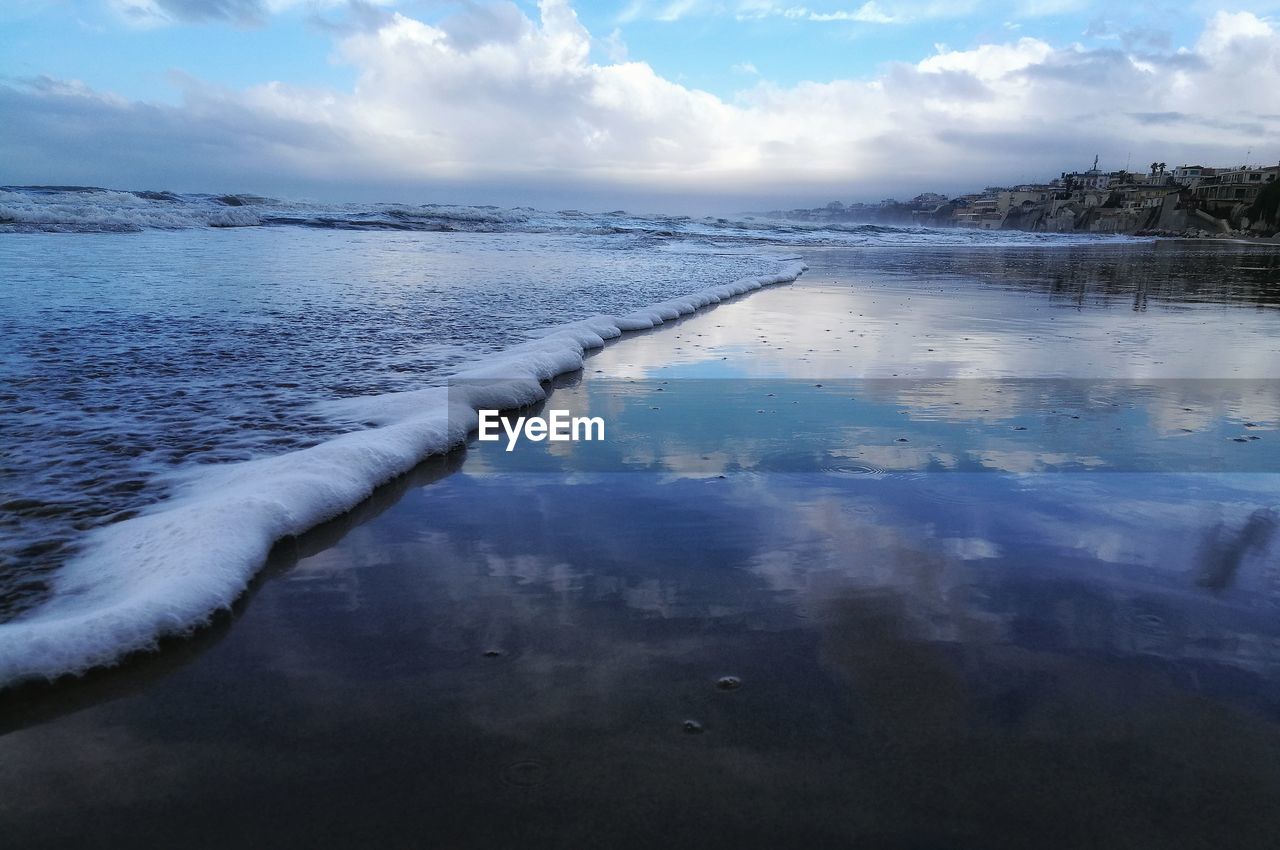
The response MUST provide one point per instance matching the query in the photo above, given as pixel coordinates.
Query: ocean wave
(170, 569)
(87, 209)
(443, 212)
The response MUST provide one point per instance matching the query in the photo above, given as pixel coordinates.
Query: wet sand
(987, 539)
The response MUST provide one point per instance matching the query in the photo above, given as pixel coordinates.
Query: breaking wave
(169, 569)
(84, 209)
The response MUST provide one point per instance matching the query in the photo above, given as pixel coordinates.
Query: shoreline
(918, 656)
(44, 643)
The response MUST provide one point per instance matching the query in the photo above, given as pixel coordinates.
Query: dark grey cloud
(1158, 117)
(64, 133)
(56, 130)
(1026, 144)
(1176, 61)
(904, 81)
(1250, 124)
(1095, 69)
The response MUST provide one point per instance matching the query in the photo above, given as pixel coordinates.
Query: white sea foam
(168, 571)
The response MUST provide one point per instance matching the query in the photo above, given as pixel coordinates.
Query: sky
(678, 105)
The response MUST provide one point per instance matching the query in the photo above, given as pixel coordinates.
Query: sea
(167, 359)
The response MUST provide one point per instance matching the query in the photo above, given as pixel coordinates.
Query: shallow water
(145, 335)
(972, 639)
(125, 356)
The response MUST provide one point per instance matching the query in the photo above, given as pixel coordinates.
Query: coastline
(391, 456)
(923, 654)
(126, 592)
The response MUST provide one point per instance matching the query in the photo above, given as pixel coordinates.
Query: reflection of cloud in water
(970, 548)
(1125, 547)
(865, 325)
(1033, 461)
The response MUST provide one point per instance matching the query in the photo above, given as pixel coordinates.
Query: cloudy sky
(676, 104)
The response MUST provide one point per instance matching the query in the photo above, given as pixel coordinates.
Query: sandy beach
(947, 548)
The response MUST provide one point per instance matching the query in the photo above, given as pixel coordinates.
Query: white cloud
(1046, 8)
(873, 12)
(869, 12)
(489, 94)
(989, 62)
(614, 47)
(1227, 27)
(148, 13)
(153, 13)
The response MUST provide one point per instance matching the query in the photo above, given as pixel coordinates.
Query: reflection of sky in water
(921, 657)
(1006, 551)
(1016, 313)
(696, 426)
(930, 656)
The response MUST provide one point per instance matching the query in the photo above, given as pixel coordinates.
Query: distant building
(1144, 195)
(982, 212)
(928, 200)
(1080, 180)
(1190, 175)
(1019, 195)
(1229, 186)
(1164, 201)
(1091, 179)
